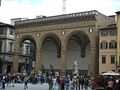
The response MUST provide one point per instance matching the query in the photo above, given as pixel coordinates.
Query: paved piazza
(30, 87)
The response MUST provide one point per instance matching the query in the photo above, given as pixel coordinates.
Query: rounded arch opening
(78, 49)
(50, 53)
(27, 55)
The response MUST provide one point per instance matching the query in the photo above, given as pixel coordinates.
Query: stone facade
(81, 27)
(108, 48)
(7, 37)
(118, 41)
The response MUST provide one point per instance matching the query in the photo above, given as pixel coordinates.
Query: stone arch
(72, 33)
(30, 58)
(47, 34)
(53, 40)
(55, 37)
(82, 41)
(29, 37)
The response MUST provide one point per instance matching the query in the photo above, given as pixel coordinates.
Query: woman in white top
(54, 80)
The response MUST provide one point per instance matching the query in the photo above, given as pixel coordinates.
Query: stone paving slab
(30, 87)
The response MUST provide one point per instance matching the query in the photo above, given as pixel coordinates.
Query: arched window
(103, 45)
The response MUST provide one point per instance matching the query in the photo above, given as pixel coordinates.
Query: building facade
(118, 40)
(51, 44)
(7, 36)
(108, 48)
(60, 40)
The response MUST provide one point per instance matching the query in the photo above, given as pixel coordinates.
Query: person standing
(71, 84)
(3, 82)
(54, 80)
(67, 83)
(59, 81)
(50, 82)
(26, 83)
(63, 84)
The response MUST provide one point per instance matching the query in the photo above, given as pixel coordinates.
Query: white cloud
(23, 9)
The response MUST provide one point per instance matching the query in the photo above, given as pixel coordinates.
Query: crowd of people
(68, 82)
(96, 82)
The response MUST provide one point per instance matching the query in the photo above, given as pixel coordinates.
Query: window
(103, 59)
(104, 33)
(3, 30)
(112, 59)
(113, 33)
(0, 46)
(103, 45)
(11, 46)
(113, 44)
(11, 31)
(27, 49)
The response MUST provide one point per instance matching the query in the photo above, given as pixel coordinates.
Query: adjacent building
(108, 48)
(7, 37)
(118, 40)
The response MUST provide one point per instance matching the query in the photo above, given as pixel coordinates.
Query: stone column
(63, 62)
(93, 67)
(15, 62)
(38, 61)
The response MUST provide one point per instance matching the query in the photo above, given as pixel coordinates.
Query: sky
(11, 9)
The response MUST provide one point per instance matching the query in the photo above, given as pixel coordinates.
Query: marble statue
(75, 67)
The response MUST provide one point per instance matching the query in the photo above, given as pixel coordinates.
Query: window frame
(113, 33)
(10, 46)
(104, 33)
(112, 59)
(112, 44)
(103, 60)
(104, 45)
